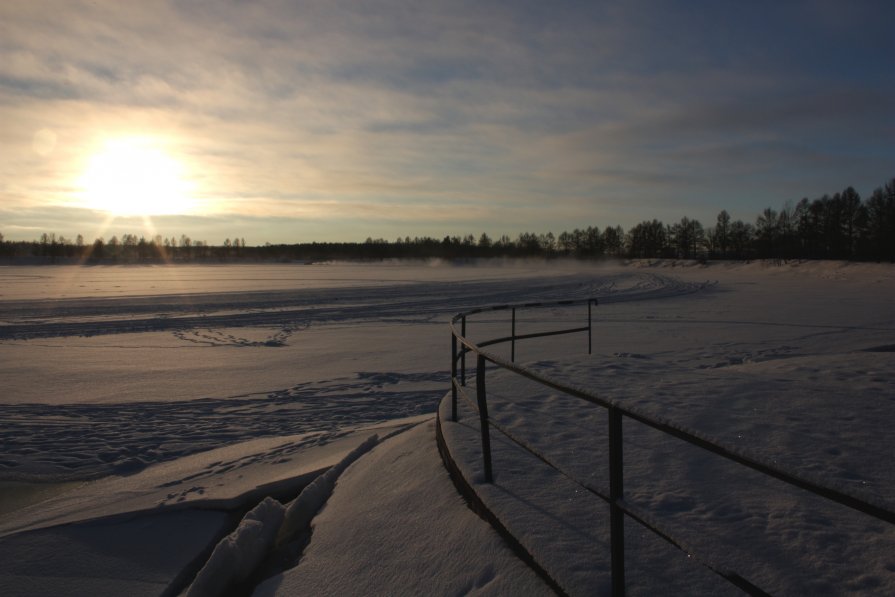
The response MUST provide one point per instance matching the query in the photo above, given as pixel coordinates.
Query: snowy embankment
(236, 557)
(396, 526)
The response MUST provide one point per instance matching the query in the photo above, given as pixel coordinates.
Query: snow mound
(239, 553)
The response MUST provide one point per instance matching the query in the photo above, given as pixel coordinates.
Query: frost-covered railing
(614, 497)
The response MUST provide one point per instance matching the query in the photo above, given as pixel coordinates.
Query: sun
(135, 177)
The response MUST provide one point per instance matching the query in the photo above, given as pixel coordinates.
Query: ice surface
(139, 555)
(130, 395)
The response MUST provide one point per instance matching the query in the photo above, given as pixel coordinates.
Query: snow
(225, 478)
(143, 555)
(223, 281)
(395, 525)
(145, 534)
(137, 398)
(238, 555)
(302, 509)
(787, 363)
(235, 558)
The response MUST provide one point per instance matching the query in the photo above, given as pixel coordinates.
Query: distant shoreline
(459, 261)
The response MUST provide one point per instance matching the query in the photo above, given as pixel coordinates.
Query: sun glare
(135, 177)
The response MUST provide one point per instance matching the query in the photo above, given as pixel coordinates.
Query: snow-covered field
(122, 375)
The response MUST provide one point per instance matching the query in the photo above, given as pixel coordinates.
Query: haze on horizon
(282, 121)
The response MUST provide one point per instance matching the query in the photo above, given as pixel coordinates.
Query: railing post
(513, 338)
(616, 490)
(589, 327)
(453, 376)
(483, 416)
(463, 353)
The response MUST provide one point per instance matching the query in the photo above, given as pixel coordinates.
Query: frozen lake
(108, 369)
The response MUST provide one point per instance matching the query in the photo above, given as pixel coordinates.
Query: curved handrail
(614, 496)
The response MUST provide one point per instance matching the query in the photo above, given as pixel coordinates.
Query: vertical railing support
(616, 491)
(483, 416)
(589, 328)
(513, 338)
(453, 376)
(463, 353)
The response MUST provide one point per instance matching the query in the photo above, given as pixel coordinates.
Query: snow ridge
(238, 555)
(302, 509)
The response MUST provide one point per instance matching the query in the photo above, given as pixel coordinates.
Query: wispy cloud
(399, 114)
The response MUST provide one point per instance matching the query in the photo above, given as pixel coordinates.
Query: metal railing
(614, 497)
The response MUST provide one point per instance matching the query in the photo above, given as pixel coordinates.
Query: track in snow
(98, 316)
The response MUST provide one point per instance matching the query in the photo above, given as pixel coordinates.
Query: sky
(293, 121)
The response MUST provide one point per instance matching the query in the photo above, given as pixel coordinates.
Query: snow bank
(303, 508)
(240, 552)
(397, 526)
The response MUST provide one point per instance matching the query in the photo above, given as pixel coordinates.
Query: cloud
(486, 113)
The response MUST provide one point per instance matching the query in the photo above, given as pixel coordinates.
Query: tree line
(841, 226)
